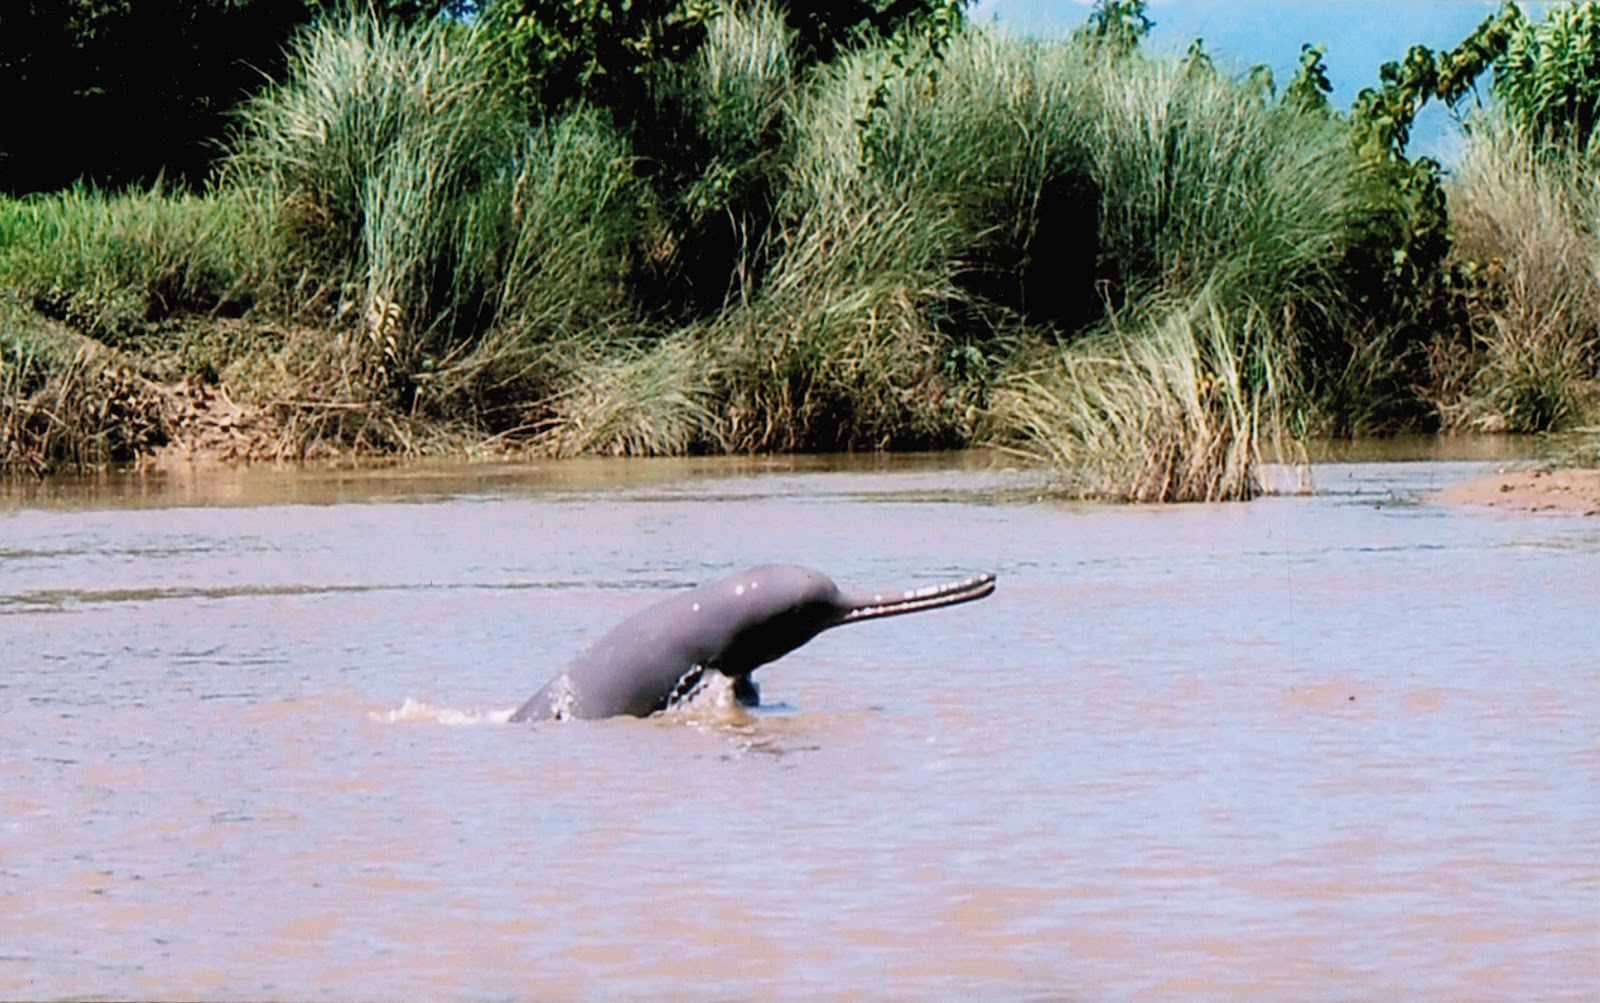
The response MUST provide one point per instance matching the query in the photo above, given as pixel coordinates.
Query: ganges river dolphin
(732, 626)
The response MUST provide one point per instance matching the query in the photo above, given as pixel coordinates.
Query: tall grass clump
(453, 248)
(1174, 410)
(649, 398)
(1226, 222)
(545, 248)
(365, 160)
(1209, 181)
(1526, 224)
(894, 273)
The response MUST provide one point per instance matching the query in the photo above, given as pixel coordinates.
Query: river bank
(799, 258)
(1560, 489)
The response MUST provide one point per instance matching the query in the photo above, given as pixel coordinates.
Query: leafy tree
(596, 51)
(824, 28)
(1548, 79)
(613, 52)
(117, 92)
(1383, 116)
(1117, 25)
(1401, 275)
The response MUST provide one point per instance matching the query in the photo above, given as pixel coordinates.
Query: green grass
(364, 164)
(114, 264)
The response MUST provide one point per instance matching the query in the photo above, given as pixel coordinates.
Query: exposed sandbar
(1565, 489)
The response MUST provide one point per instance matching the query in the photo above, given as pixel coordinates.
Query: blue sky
(1359, 35)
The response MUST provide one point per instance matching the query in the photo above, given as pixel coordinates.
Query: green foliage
(754, 226)
(703, 93)
(1384, 114)
(1548, 78)
(712, 145)
(613, 53)
(544, 252)
(360, 160)
(116, 266)
(120, 93)
(1309, 90)
(1401, 276)
(410, 210)
(1116, 25)
(597, 51)
(825, 29)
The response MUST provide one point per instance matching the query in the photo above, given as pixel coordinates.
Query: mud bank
(1568, 490)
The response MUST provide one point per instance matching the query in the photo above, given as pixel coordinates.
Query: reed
(1171, 408)
(1526, 223)
(364, 161)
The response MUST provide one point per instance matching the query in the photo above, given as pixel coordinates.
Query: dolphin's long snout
(872, 606)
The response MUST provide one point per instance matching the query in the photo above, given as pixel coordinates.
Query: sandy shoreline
(1567, 490)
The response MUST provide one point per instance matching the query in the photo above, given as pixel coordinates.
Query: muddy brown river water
(1337, 746)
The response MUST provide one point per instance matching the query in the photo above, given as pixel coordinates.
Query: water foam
(414, 710)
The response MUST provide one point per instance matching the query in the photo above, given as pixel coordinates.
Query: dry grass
(1528, 222)
(654, 400)
(85, 413)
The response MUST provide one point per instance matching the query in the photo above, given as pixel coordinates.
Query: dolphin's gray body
(732, 626)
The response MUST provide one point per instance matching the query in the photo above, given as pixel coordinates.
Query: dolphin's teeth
(738, 590)
(696, 607)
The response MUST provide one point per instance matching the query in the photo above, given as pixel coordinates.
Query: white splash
(413, 711)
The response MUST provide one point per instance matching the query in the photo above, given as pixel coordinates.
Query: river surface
(1328, 746)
